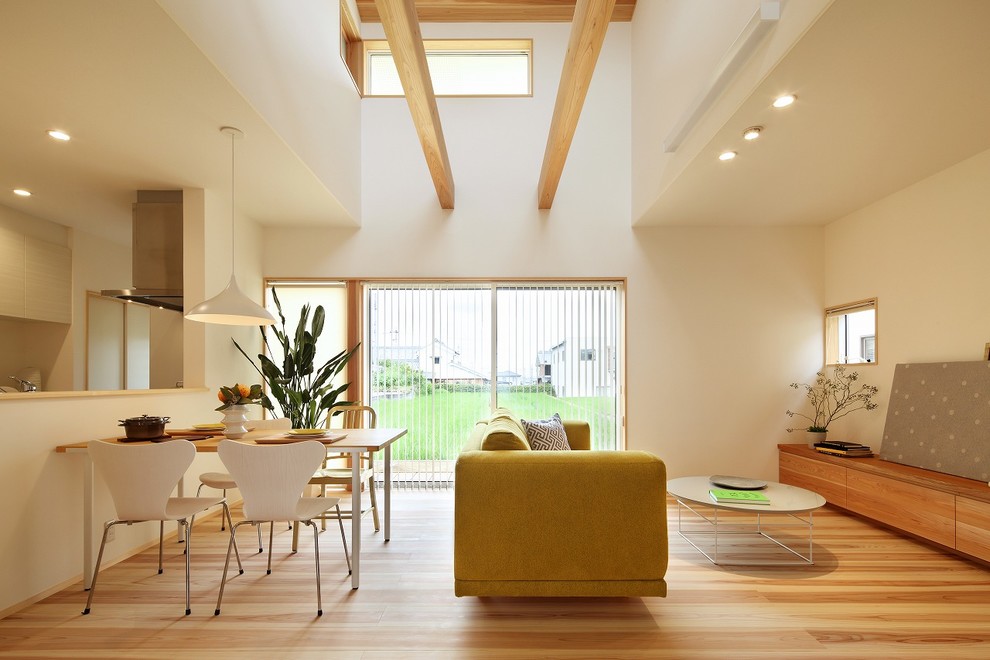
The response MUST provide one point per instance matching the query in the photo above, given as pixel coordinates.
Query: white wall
(304, 93)
(719, 320)
(922, 253)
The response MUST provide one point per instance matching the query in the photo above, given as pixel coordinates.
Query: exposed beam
(406, 42)
(591, 18)
(496, 11)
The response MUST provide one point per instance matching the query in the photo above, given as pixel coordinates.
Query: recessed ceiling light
(784, 101)
(21, 192)
(727, 155)
(59, 135)
(752, 132)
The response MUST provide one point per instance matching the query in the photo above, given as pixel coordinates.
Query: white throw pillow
(546, 434)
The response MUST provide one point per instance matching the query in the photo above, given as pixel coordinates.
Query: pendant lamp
(231, 306)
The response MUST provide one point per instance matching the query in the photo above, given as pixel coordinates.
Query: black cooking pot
(144, 427)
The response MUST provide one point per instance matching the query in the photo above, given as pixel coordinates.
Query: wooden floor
(870, 594)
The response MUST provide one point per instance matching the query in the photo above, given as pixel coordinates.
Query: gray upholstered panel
(939, 418)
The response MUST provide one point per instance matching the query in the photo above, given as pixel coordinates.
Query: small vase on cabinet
(815, 436)
(234, 418)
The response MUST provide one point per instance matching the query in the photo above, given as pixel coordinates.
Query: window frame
(378, 46)
(351, 48)
(844, 310)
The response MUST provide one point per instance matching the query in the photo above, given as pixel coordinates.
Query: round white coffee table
(692, 493)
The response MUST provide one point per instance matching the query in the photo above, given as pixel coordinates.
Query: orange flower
(239, 395)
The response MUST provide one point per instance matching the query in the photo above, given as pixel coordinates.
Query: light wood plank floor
(870, 594)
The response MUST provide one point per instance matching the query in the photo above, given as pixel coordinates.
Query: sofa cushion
(477, 435)
(504, 432)
(546, 434)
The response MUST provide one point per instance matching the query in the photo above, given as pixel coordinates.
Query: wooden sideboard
(951, 511)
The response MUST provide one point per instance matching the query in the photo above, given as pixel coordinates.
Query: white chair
(270, 478)
(223, 482)
(141, 479)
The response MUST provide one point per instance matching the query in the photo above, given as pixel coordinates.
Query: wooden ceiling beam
(495, 11)
(591, 19)
(406, 43)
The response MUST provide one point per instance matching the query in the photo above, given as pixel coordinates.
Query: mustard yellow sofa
(556, 523)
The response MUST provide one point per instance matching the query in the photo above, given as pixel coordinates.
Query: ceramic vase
(233, 422)
(815, 436)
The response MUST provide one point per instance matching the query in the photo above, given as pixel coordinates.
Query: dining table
(354, 442)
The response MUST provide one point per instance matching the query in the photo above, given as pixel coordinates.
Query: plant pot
(234, 418)
(815, 436)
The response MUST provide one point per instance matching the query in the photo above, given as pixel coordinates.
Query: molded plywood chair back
(271, 478)
(141, 477)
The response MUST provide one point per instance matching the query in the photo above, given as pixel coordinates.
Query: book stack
(725, 496)
(841, 448)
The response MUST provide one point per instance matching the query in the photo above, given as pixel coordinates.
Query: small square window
(851, 333)
(587, 355)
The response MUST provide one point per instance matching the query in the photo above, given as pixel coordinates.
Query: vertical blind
(441, 355)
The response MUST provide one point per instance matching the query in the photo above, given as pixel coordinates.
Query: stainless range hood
(156, 251)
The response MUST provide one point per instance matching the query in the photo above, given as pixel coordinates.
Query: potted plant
(233, 404)
(832, 398)
(304, 391)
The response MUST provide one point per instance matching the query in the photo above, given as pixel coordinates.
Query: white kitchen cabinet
(47, 281)
(11, 273)
(35, 278)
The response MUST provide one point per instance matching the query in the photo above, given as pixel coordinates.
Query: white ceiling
(144, 107)
(890, 91)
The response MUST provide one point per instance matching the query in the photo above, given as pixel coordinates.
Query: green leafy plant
(834, 397)
(304, 392)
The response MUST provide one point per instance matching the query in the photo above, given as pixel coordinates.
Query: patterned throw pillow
(546, 434)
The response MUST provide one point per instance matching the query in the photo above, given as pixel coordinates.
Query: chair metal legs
(316, 551)
(99, 559)
(347, 555)
(271, 543)
(187, 529)
(260, 546)
(188, 536)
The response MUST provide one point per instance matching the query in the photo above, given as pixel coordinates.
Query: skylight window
(458, 68)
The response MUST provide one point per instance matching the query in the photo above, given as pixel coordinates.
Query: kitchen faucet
(26, 385)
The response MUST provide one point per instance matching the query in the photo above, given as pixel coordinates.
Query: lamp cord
(233, 254)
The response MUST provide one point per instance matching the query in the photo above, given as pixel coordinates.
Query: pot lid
(144, 420)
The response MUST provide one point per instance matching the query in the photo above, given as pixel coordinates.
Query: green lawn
(439, 423)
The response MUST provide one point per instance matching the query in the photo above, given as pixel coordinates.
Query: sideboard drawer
(829, 481)
(925, 512)
(973, 527)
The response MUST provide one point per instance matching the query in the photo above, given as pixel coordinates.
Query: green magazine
(725, 496)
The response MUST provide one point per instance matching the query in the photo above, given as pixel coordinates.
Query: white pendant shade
(230, 307)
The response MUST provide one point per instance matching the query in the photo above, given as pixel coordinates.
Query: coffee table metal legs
(714, 532)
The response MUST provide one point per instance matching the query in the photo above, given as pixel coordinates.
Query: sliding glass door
(441, 355)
